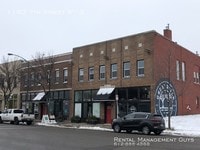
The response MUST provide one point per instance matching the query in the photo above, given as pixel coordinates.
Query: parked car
(140, 121)
(14, 116)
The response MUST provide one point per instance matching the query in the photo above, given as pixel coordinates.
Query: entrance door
(108, 114)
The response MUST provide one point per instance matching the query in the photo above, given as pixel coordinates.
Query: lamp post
(27, 88)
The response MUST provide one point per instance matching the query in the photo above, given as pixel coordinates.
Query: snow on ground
(188, 125)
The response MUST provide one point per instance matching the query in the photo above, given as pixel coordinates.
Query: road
(22, 137)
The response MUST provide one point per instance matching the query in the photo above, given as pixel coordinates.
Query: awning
(39, 96)
(104, 93)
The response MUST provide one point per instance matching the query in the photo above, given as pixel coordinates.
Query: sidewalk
(69, 124)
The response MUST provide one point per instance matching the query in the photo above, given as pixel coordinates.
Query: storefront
(102, 103)
(56, 103)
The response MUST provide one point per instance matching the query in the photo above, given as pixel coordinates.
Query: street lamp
(28, 67)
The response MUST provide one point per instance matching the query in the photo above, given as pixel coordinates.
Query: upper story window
(57, 75)
(32, 78)
(183, 71)
(26, 79)
(178, 70)
(113, 71)
(102, 71)
(81, 75)
(91, 73)
(126, 69)
(39, 78)
(140, 68)
(65, 75)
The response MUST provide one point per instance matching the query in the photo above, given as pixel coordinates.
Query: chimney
(168, 32)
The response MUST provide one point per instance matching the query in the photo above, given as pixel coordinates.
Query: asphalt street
(22, 137)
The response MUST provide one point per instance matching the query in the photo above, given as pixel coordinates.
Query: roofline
(146, 32)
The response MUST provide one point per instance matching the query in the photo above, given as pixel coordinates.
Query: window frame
(102, 72)
(91, 73)
(113, 74)
(139, 68)
(65, 75)
(125, 69)
(81, 75)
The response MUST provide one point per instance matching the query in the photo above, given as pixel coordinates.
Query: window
(26, 79)
(57, 75)
(78, 96)
(183, 71)
(65, 75)
(197, 102)
(32, 79)
(197, 77)
(114, 71)
(87, 95)
(126, 47)
(177, 70)
(39, 78)
(102, 71)
(48, 76)
(126, 69)
(140, 68)
(91, 73)
(81, 75)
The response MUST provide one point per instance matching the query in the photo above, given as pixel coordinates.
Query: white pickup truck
(14, 116)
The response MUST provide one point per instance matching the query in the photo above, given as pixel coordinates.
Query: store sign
(165, 99)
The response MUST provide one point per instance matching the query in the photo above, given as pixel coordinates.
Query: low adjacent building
(46, 86)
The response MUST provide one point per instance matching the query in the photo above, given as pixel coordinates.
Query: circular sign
(165, 99)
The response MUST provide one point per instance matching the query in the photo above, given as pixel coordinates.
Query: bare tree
(9, 78)
(42, 67)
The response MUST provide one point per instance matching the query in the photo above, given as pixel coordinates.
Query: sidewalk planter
(92, 120)
(75, 119)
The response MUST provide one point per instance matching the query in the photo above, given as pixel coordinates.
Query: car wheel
(146, 130)
(157, 132)
(129, 131)
(1, 121)
(117, 128)
(29, 122)
(16, 121)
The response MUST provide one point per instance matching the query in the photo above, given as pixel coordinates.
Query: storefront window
(78, 109)
(96, 110)
(122, 93)
(55, 95)
(78, 96)
(87, 95)
(133, 93)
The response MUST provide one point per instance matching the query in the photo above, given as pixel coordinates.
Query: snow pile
(188, 125)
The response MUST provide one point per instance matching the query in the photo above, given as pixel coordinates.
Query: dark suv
(140, 121)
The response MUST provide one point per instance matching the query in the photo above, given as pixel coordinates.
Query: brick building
(47, 80)
(142, 72)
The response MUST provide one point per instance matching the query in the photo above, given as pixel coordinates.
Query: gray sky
(56, 26)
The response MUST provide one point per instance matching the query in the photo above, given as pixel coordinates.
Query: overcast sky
(56, 26)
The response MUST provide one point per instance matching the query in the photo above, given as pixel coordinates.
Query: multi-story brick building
(48, 84)
(142, 72)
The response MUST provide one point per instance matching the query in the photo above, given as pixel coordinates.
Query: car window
(9, 111)
(129, 116)
(140, 116)
(18, 111)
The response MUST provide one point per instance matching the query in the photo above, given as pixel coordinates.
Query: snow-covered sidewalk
(188, 125)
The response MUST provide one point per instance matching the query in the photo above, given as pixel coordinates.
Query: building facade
(142, 72)
(46, 86)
